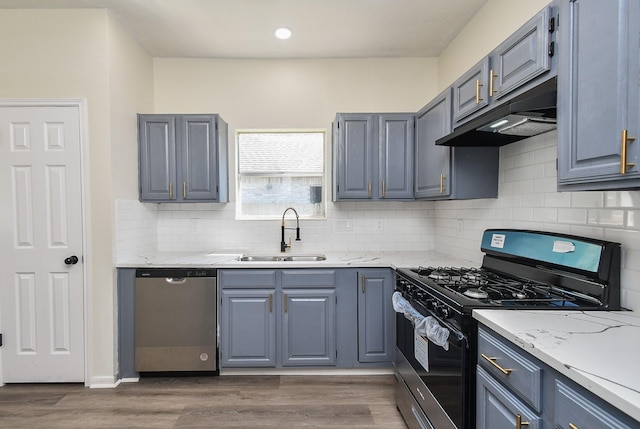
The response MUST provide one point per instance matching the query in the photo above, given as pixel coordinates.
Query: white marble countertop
(599, 350)
(230, 260)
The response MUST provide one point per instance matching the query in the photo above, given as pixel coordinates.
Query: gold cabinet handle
(478, 85)
(271, 303)
(442, 179)
(519, 422)
(369, 189)
(170, 190)
(286, 303)
(184, 189)
(572, 426)
(383, 189)
(623, 152)
(492, 361)
(491, 78)
(362, 280)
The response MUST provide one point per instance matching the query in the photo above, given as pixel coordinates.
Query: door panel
(42, 300)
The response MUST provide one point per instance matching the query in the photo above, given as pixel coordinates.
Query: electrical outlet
(460, 226)
(379, 225)
(193, 225)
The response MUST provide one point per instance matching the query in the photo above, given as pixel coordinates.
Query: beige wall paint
(487, 29)
(292, 93)
(73, 54)
(285, 94)
(130, 92)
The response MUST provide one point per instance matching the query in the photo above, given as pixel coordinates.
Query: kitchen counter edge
(595, 349)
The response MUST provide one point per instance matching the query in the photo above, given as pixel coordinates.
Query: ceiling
(321, 28)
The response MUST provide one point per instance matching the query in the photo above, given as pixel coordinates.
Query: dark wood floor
(328, 401)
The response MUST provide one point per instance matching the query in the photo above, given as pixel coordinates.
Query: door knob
(71, 260)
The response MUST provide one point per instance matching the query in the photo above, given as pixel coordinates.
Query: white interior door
(41, 284)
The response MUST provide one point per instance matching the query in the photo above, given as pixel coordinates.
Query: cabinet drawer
(511, 367)
(247, 278)
(308, 278)
(499, 408)
(573, 409)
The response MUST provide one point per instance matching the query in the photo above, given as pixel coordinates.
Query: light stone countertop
(343, 260)
(599, 350)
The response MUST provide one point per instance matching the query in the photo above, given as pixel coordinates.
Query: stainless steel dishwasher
(175, 320)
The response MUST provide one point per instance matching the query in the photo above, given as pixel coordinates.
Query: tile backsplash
(527, 199)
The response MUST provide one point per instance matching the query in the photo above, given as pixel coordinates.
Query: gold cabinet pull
(623, 152)
(383, 189)
(369, 188)
(572, 426)
(286, 303)
(492, 361)
(491, 78)
(184, 189)
(519, 422)
(478, 85)
(270, 303)
(170, 190)
(442, 179)
(362, 280)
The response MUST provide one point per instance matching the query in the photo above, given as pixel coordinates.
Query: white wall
(86, 54)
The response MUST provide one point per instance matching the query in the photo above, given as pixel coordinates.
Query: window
(277, 170)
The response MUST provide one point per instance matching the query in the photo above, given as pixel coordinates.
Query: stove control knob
(446, 312)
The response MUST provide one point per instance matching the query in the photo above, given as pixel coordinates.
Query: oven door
(438, 380)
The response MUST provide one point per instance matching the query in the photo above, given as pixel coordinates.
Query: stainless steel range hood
(529, 114)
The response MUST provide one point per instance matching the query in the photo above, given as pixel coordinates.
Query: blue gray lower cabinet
(529, 391)
(289, 318)
(126, 305)
(306, 318)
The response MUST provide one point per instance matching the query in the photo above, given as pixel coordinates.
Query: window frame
(324, 179)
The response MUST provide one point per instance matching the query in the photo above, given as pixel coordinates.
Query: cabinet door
(598, 95)
(572, 409)
(375, 316)
(355, 156)
(496, 407)
(198, 157)
(520, 58)
(395, 145)
(157, 157)
(471, 91)
(248, 323)
(309, 327)
(433, 163)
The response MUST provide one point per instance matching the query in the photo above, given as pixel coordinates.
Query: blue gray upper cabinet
(471, 91)
(524, 55)
(508, 70)
(433, 163)
(443, 172)
(598, 95)
(373, 156)
(183, 158)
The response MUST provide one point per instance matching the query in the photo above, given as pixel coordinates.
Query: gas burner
(439, 275)
(519, 294)
(476, 293)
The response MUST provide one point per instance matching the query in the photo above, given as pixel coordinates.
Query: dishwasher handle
(176, 280)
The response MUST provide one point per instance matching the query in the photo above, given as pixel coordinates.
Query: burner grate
(490, 287)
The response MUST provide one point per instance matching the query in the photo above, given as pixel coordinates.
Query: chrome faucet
(283, 244)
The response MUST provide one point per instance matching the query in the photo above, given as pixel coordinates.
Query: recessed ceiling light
(283, 33)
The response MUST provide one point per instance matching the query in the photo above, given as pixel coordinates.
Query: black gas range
(521, 269)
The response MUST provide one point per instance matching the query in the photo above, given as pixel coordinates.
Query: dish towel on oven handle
(425, 326)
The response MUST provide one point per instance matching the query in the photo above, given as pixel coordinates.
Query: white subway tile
(605, 217)
(575, 216)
